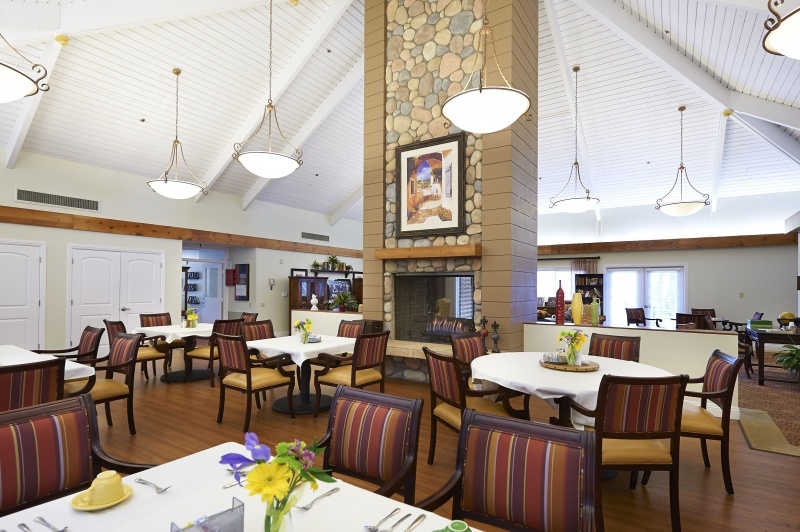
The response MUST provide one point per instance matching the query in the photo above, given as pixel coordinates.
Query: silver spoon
(23, 526)
(148, 483)
(377, 527)
(43, 521)
(415, 522)
(391, 528)
(309, 505)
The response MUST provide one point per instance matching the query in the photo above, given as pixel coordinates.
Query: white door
(20, 269)
(658, 289)
(211, 308)
(140, 286)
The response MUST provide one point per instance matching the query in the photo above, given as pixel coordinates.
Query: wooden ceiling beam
(714, 242)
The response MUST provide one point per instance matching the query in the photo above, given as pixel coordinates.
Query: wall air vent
(40, 198)
(314, 236)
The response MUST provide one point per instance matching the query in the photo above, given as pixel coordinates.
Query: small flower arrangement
(191, 313)
(276, 477)
(574, 340)
(304, 328)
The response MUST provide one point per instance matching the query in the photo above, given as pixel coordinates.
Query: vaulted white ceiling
(112, 98)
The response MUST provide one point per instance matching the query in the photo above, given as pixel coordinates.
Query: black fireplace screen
(421, 299)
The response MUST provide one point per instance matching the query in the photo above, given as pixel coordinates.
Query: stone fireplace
(419, 299)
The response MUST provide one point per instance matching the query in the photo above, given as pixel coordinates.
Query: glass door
(660, 290)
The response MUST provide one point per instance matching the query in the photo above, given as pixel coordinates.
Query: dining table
(522, 372)
(301, 354)
(179, 332)
(197, 487)
(761, 337)
(11, 355)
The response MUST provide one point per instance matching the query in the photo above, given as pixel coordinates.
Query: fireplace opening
(429, 307)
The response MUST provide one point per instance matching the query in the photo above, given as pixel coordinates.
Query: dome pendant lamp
(15, 84)
(783, 30)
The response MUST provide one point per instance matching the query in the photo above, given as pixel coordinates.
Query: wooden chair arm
(444, 494)
(704, 395)
(482, 393)
(87, 388)
(696, 380)
(570, 402)
(394, 485)
(330, 361)
(278, 362)
(121, 466)
(657, 320)
(56, 351)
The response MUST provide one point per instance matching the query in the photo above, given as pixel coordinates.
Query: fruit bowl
(785, 318)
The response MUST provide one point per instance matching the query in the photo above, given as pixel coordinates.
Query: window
(547, 282)
(660, 290)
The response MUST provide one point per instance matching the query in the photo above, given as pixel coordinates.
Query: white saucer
(79, 504)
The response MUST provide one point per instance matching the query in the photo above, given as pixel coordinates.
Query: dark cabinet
(301, 289)
(590, 285)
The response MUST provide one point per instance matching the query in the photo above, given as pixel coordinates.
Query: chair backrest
(373, 436)
(258, 330)
(684, 326)
(444, 373)
(155, 320)
(758, 315)
(708, 323)
(233, 355)
(350, 329)
(61, 436)
(468, 346)
(31, 384)
(698, 319)
(721, 374)
(123, 353)
(635, 316)
(370, 351)
(249, 316)
(114, 328)
(227, 327)
(522, 475)
(89, 343)
(705, 312)
(610, 346)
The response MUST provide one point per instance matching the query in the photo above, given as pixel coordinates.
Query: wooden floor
(178, 419)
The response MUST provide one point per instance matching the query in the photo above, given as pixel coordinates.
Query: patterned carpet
(781, 400)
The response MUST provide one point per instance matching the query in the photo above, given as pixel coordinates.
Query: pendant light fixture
(676, 205)
(783, 31)
(175, 188)
(15, 84)
(485, 109)
(268, 164)
(581, 200)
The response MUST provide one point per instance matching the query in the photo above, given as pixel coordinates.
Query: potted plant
(341, 300)
(333, 262)
(789, 358)
(315, 265)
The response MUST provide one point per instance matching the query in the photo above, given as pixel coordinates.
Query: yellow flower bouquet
(304, 328)
(191, 317)
(574, 340)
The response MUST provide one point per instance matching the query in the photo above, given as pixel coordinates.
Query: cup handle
(86, 498)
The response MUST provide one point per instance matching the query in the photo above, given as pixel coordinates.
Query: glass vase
(303, 337)
(572, 355)
(191, 323)
(285, 525)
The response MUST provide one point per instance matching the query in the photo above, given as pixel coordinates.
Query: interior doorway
(660, 290)
(204, 289)
(21, 298)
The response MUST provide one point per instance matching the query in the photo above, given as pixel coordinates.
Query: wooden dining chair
(208, 352)
(684, 319)
(611, 346)
(62, 432)
(239, 372)
(152, 348)
(637, 422)
(367, 366)
(347, 329)
(374, 437)
(710, 312)
(450, 395)
(636, 317)
(36, 383)
(87, 348)
(521, 475)
(249, 317)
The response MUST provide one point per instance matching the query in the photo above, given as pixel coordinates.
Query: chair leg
(674, 499)
(211, 372)
(144, 368)
(634, 478)
(247, 411)
(646, 478)
(154, 370)
(599, 526)
(432, 449)
(131, 425)
(318, 391)
(704, 449)
(726, 465)
(108, 415)
(166, 370)
(258, 400)
(289, 400)
(221, 402)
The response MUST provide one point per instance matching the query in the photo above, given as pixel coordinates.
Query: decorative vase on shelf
(314, 302)
(559, 305)
(595, 311)
(577, 308)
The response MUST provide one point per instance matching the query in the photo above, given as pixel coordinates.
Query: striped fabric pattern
(155, 320)
(28, 387)
(249, 317)
(231, 328)
(370, 351)
(349, 329)
(718, 374)
(641, 408)
(535, 483)
(90, 340)
(123, 350)
(710, 312)
(619, 348)
(468, 348)
(44, 456)
(114, 328)
(232, 354)
(258, 330)
(369, 439)
(444, 379)
(635, 315)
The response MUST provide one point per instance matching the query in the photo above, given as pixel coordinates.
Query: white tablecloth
(176, 332)
(301, 352)
(11, 355)
(522, 372)
(196, 489)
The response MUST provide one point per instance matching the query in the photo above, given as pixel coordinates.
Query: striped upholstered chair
(249, 317)
(367, 366)
(636, 317)
(347, 329)
(374, 437)
(450, 395)
(152, 348)
(64, 433)
(610, 346)
(468, 346)
(638, 426)
(697, 422)
(520, 475)
(208, 352)
(32, 384)
(87, 347)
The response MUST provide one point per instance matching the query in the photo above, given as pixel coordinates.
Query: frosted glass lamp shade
(487, 109)
(268, 164)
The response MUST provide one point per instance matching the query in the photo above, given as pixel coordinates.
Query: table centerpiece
(191, 317)
(574, 339)
(304, 328)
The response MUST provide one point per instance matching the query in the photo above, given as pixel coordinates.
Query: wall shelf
(430, 252)
(346, 273)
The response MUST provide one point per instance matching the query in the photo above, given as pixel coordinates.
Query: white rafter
(657, 49)
(29, 106)
(332, 101)
(348, 204)
(304, 52)
(721, 131)
(566, 78)
(772, 134)
(752, 5)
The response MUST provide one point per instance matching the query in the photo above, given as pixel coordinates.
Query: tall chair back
(468, 346)
(155, 320)
(611, 346)
(370, 351)
(89, 343)
(258, 330)
(249, 316)
(232, 353)
(710, 312)
(227, 327)
(350, 329)
(114, 328)
(698, 320)
(636, 316)
(757, 315)
(32, 384)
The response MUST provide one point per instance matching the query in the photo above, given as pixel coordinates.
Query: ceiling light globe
(487, 109)
(785, 39)
(173, 189)
(268, 164)
(686, 208)
(14, 85)
(576, 205)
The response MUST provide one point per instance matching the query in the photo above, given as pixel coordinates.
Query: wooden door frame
(42, 280)
(223, 264)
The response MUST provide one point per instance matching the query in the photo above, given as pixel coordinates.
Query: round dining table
(523, 373)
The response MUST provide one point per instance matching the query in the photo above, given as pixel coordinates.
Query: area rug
(770, 414)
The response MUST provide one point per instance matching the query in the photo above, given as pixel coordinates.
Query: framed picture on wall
(430, 187)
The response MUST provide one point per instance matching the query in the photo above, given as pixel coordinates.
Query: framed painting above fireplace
(430, 187)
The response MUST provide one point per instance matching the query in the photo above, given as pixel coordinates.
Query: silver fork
(43, 521)
(148, 483)
(310, 504)
(376, 528)
(391, 528)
